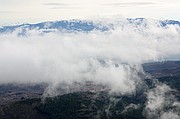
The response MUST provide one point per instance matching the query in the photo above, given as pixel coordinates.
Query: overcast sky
(23, 11)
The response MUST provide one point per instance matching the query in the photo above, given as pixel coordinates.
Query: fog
(111, 58)
(103, 57)
(159, 100)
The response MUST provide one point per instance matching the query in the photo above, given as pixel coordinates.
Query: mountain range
(76, 25)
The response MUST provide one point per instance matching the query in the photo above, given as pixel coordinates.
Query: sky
(33, 11)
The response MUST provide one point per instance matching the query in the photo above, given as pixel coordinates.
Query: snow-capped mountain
(76, 25)
(71, 25)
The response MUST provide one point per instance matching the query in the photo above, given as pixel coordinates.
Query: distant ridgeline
(76, 26)
(64, 25)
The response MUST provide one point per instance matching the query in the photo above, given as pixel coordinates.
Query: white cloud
(170, 115)
(111, 58)
(161, 104)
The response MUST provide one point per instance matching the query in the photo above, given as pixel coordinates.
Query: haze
(18, 11)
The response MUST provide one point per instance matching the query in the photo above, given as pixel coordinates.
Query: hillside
(93, 105)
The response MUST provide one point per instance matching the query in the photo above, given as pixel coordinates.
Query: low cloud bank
(112, 58)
